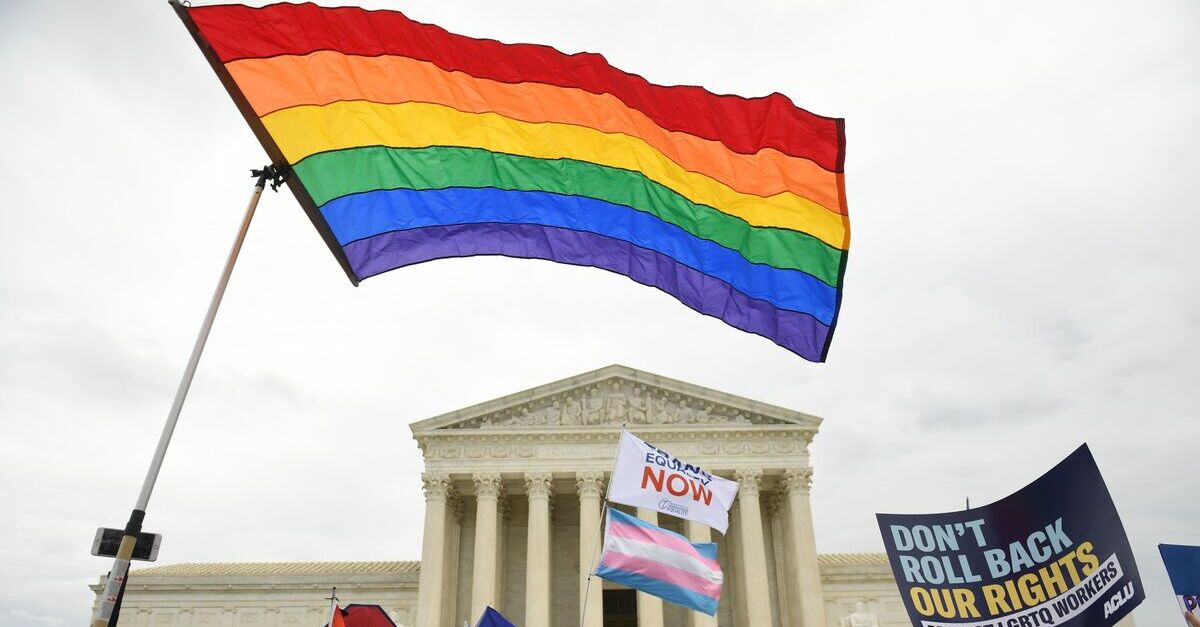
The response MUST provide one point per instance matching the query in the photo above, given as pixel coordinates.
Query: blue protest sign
(1183, 567)
(1053, 553)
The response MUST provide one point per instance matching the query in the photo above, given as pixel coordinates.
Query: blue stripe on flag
(368, 214)
(661, 589)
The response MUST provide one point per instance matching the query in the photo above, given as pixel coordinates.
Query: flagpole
(332, 605)
(133, 527)
(608, 490)
(592, 574)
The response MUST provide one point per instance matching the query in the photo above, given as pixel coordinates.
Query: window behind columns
(620, 608)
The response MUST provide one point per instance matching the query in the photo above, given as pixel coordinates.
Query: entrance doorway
(620, 608)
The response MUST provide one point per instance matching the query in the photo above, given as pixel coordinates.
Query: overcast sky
(1023, 180)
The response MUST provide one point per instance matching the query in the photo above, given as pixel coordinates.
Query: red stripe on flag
(744, 125)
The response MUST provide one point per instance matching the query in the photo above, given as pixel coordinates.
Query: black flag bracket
(276, 174)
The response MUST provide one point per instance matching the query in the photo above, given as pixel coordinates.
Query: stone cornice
(273, 569)
(604, 431)
(289, 573)
(315, 581)
(717, 448)
(377, 577)
(609, 435)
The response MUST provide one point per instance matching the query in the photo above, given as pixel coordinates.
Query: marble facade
(513, 501)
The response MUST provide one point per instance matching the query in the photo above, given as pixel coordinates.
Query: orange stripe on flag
(325, 77)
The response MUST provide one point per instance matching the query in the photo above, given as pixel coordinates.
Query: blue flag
(1183, 567)
(492, 618)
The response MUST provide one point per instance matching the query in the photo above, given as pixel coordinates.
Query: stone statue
(684, 414)
(638, 406)
(860, 617)
(521, 420)
(572, 413)
(618, 407)
(593, 408)
(551, 415)
(657, 413)
(538, 417)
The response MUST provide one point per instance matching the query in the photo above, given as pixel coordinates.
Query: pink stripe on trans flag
(661, 563)
(665, 540)
(663, 572)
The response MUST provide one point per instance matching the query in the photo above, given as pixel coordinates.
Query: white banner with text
(649, 477)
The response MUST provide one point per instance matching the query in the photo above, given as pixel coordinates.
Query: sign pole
(120, 568)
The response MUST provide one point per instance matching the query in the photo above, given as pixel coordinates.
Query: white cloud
(1022, 187)
(37, 618)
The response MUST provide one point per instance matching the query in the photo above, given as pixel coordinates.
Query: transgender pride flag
(660, 562)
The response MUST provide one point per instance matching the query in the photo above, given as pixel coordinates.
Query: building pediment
(613, 397)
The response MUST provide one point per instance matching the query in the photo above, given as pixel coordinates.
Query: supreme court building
(514, 492)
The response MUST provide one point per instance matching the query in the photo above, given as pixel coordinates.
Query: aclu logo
(1115, 602)
(673, 508)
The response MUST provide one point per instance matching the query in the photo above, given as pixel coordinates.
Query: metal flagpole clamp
(276, 175)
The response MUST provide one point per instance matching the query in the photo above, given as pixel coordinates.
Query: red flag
(355, 615)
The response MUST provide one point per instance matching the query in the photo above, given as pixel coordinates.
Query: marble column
(649, 608)
(433, 550)
(590, 486)
(775, 507)
(754, 553)
(806, 573)
(698, 532)
(733, 540)
(454, 516)
(503, 518)
(537, 560)
(484, 582)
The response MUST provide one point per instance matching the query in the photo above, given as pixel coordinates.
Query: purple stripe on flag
(798, 332)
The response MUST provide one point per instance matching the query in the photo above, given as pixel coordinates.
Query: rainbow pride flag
(409, 143)
(660, 562)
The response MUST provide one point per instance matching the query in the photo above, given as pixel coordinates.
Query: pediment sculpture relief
(614, 403)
